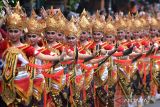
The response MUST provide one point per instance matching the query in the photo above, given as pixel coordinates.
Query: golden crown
(154, 23)
(97, 24)
(129, 22)
(16, 18)
(61, 21)
(84, 13)
(120, 24)
(109, 28)
(84, 24)
(71, 28)
(137, 25)
(35, 26)
(145, 22)
(51, 22)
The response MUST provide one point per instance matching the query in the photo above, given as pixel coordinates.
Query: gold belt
(21, 69)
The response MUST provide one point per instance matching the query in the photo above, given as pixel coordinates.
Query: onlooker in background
(133, 7)
(27, 5)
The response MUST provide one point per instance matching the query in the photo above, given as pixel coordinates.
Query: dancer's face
(83, 36)
(120, 35)
(97, 36)
(14, 34)
(60, 36)
(71, 40)
(51, 36)
(32, 39)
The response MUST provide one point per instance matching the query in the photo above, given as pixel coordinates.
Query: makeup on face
(59, 34)
(71, 38)
(13, 30)
(32, 36)
(96, 33)
(50, 33)
(84, 33)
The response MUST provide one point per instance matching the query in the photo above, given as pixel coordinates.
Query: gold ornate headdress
(84, 13)
(71, 29)
(109, 28)
(51, 23)
(145, 22)
(120, 23)
(97, 24)
(84, 24)
(35, 26)
(16, 19)
(137, 24)
(154, 23)
(129, 22)
(61, 21)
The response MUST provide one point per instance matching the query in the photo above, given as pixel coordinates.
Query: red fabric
(45, 66)
(129, 45)
(145, 43)
(3, 47)
(153, 89)
(87, 73)
(108, 47)
(119, 97)
(92, 47)
(4, 33)
(82, 51)
(140, 66)
(67, 77)
(145, 73)
(137, 44)
(87, 67)
(23, 83)
(79, 78)
(46, 52)
(71, 93)
(40, 43)
(45, 97)
(37, 82)
(84, 94)
(118, 54)
(58, 46)
(106, 88)
(56, 77)
(28, 50)
(151, 70)
(66, 62)
(0, 86)
(123, 61)
(155, 57)
(120, 49)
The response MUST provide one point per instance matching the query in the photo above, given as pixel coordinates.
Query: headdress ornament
(97, 24)
(154, 23)
(51, 23)
(61, 21)
(109, 28)
(84, 24)
(71, 28)
(120, 23)
(35, 26)
(16, 19)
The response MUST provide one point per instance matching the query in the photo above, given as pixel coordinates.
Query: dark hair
(132, 4)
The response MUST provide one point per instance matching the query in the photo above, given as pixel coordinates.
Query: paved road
(156, 104)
